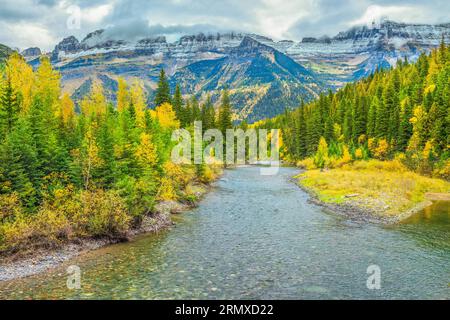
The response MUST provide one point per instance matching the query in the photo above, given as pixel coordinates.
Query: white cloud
(96, 14)
(44, 22)
(376, 13)
(25, 35)
(275, 17)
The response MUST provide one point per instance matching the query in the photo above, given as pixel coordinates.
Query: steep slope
(357, 52)
(5, 51)
(264, 76)
(262, 80)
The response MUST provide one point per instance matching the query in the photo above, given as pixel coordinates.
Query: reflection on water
(437, 215)
(257, 237)
(431, 227)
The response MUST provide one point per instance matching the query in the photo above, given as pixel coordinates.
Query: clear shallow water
(256, 237)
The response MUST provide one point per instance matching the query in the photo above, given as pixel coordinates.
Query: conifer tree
(178, 105)
(208, 114)
(224, 119)
(9, 109)
(195, 109)
(163, 90)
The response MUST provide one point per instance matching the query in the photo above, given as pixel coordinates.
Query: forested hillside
(401, 112)
(97, 172)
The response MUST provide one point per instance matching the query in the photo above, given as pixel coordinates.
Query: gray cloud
(133, 29)
(43, 22)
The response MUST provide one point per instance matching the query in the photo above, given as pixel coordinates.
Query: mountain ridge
(309, 66)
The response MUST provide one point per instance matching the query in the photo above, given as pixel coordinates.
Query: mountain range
(264, 76)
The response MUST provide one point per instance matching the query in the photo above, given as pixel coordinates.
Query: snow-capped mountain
(264, 76)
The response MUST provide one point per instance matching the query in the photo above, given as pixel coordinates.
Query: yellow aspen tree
(433, 69)
(91, 159)
(67, 111)
(419, 127)
(346, 156)
(382, 149)
(95, 102)
(22, 78)
(98, 98)
(123, 95)
(321, 157)
(166, 116)
(47, 83)
(138, 101)
(146, 151)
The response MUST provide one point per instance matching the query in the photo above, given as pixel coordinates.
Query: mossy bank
(376, 191)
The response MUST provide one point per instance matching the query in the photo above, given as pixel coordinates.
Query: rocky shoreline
(16, 267)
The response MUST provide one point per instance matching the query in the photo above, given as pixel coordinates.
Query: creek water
(258, 237)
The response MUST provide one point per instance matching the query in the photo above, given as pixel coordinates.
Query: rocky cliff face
(31, 53)
(359, 51)
(5, 51)
(265, 75)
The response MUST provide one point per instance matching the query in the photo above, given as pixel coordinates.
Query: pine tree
(359, 119)
(208, 114)
(224, 119)
(9, 109)
(195, 109)
(163, 90)
(106, 171)
(405, 129)
(302, 148)
(178, 105)
(372, 117)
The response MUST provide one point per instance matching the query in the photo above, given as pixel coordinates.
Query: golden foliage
(166, 116)
(47, 83)
(382, 149)
(22, 78)
(138, 101)
(166, 190)
(95, 103)
(123, 96)
(358, 153)
(146, 151)
(321, 157)
(67, 111)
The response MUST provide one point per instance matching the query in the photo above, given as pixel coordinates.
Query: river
(257, 237)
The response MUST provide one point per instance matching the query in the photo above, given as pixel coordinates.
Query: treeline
(402, 112)
(98, 172)
(189, 110)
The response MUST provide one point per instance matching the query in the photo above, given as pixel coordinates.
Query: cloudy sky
(43, 23)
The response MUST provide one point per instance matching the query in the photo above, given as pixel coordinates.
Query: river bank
(258, 237)
(372, 191)
(31, 263)
(354, 211)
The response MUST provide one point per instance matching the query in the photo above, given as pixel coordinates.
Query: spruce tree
(9, 108)
(195, 109)
(163, 90)
(405, 128)
(224, 119)
(178, 105)
(208, 114)
(372, 117)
